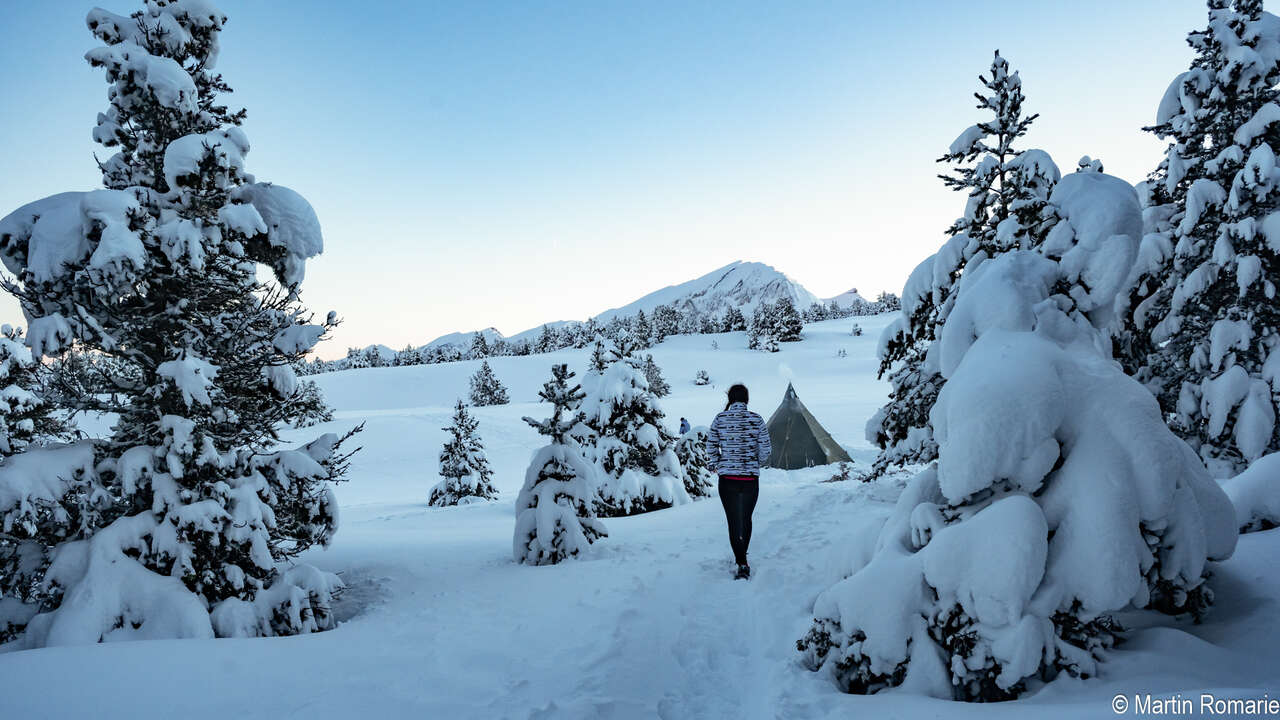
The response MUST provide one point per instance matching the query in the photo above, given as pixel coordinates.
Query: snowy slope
(462, 339)
(439, 622)
(846, 298)
(738, 284)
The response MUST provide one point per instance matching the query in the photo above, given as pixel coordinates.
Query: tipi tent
(798, 439)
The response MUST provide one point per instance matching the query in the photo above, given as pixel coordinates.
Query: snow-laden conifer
(486, 388)
(1058, 499)
(622, 432)
(464, 468)
(186, 516)
(1005, 190)
(1201, 325)
(555, 516)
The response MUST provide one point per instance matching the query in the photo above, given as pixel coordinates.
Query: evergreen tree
(623, 434)
(642, 331)
(588, 333)
(486, 389)
(159, 274)
(734, 320)
(657, 385)
(787, 321)
(1201, 327)
(311, 408)
(546, 341)
(554, 511)
(1005, 192)
(479, 348)
(25, 415)
(691, 449)
(666, 322)
(463, 464)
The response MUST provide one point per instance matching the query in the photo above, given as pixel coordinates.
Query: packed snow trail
(439, 622)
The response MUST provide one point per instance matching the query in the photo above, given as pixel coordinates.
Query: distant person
(684, 426)
(737, 443)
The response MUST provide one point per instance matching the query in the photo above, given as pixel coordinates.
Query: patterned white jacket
(738, 442)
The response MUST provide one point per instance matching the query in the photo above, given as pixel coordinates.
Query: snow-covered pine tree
(588, 333)
(311, 408)
(888, 302)
(486, 388)
(788, 325)
(641, 331)
(1058, 499)
(31, 519)
(463, 464)
(666, 322)
(691, 450)
(26, 417)
(657, 384)
(623, 434)
(186, 513)
(616, 326)
(1005, 190)
(702, 377)
(479, 348)
(555, 518)
(1201, 325)
(692, 322)
(734, 320)
(546, 341)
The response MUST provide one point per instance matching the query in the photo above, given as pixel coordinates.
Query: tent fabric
(799, 440)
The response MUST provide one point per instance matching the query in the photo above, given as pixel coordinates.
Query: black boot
(744, 572)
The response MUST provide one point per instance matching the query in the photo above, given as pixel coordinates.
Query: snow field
(438, 621)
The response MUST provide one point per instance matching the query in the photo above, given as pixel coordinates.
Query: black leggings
(739, 500)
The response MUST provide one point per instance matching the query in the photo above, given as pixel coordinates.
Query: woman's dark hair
(737, 393)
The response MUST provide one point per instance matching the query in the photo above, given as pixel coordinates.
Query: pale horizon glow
(505, 165)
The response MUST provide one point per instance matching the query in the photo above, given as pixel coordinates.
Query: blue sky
(485, 163)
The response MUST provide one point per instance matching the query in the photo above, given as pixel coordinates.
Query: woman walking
(737, 444)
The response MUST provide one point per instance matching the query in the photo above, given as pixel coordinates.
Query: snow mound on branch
(291, 222)
(40, 477)
(1096, 239)
(111, 597)
(183, 156)
(172, 85)
(1255, 494)
(42, 237)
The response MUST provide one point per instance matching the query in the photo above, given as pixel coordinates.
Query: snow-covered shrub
(463, 464)
(691, 450)
(1255, 494)
(486, 389)
(657, 384)
(622, 432)
(856, 331)
(46, 495)
(1058, 498)
(702, 377)
(182, 527)
(25, 416)
(311, 408)
(554, 515)
(1201, 326)
(1005, 191)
